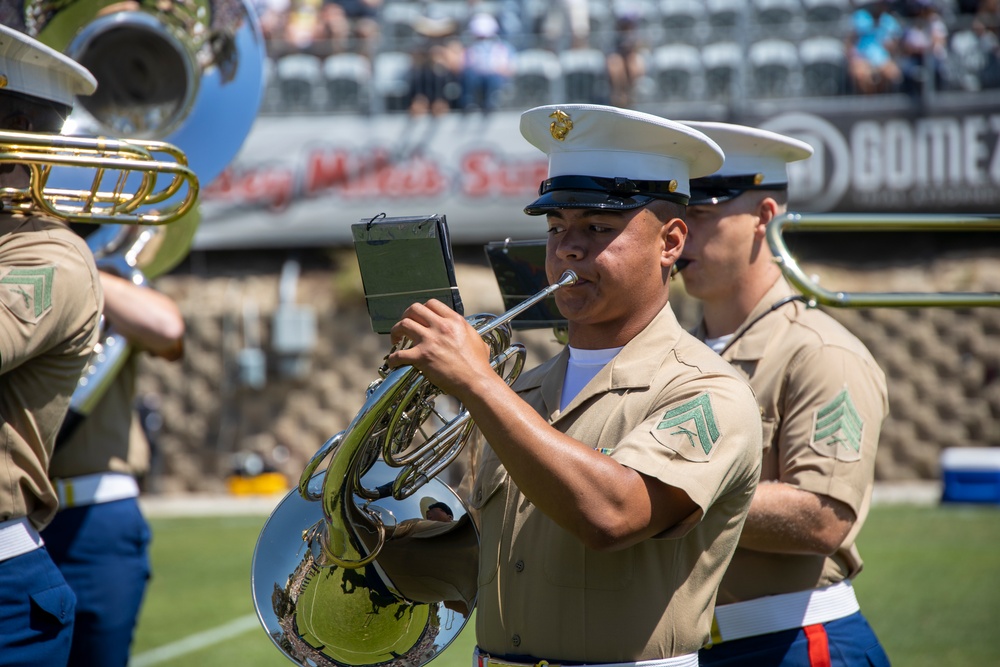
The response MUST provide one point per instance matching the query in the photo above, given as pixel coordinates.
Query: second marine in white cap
(822, 401)
(755, 160)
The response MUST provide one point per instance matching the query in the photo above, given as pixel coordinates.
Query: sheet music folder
(404, 260)
(519, 267)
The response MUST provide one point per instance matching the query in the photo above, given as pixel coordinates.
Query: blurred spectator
(489, 65)
(986, 20)
(301, 31)
(435, 80)
(986, 27)
(272, 15)
(924, 48)
(626, 64)
(352, 25)
(872, 48)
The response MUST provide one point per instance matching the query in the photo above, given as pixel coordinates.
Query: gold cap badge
(561, 126)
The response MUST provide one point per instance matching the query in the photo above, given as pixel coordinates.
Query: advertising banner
(304, 180)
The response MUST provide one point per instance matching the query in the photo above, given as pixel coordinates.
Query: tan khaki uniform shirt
(823, 399)
(50, 304)
(670, 408)
(110, 438)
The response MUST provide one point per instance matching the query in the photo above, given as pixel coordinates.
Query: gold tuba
(180, 81)
(341, 574)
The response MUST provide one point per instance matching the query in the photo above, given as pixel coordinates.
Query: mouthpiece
(567, 278)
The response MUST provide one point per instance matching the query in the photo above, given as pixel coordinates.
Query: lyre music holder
(404, 260)
(519, 267)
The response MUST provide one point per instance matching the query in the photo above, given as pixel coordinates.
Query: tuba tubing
(131, 166)
(886, 222)
(306, 570)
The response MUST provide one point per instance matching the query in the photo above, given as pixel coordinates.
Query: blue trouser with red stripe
(103, 552)
(846, 642)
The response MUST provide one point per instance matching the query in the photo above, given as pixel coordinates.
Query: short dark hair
(27, 113)
(667, 210)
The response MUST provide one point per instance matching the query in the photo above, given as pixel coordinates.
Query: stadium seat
(602, 24)
(723, 63)
(678, 72)
(348, 80)
(725, 17)
(783, 16)
(682, 21)
(300, 76)
(774, 65)
(272, 90)
(390, 80)
(824, 66)
(826, 11)
(827, 17)
(536, 78)
(681, 14)
(585, 76)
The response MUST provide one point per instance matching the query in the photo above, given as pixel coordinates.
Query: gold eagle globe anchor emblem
(561, 126)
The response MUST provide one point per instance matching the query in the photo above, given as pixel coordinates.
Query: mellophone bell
(353, 568)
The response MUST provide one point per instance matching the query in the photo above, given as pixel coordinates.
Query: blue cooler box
(971, 475)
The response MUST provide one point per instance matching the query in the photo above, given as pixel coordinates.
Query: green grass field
(930, 588)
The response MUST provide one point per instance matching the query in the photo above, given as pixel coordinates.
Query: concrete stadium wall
(943, 365)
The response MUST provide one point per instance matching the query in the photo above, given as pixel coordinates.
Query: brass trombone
(834, 222)
(131, 167)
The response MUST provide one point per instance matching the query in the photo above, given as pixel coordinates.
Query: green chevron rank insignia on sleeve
(28, 291)
(694, 420)
(838, 428)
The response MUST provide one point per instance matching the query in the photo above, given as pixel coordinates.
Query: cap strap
(623, 187)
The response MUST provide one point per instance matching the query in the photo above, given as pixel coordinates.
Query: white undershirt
(583, 366)
(719, 344)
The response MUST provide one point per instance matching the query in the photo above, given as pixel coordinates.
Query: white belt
(775, 613)
(98, 488)
(480, 659)
(17, 536)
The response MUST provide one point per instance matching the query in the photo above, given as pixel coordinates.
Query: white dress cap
(27, 66)
(750, 151)
(604, 142)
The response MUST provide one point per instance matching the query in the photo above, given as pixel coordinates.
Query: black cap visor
(718, 189)
(619, 194)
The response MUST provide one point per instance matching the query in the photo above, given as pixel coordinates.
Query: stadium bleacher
(714, 50)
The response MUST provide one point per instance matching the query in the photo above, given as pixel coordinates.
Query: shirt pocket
(571, 565)
(488, 501)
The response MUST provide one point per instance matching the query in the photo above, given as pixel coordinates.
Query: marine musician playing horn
(787, 598)
(614, 479)
(50, 306)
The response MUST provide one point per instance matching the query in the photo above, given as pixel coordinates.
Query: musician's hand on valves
(443, 346)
